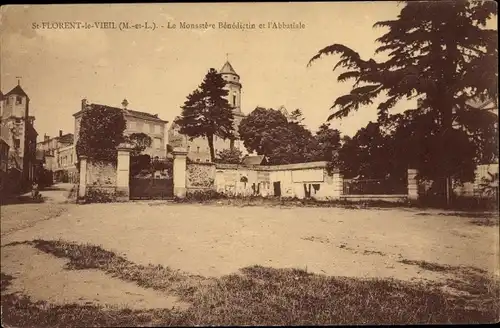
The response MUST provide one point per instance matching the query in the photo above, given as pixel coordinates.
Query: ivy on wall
(101, 131)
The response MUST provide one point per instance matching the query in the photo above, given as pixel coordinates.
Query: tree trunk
(210, 139)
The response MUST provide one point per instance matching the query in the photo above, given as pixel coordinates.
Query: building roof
(144, 115)
(1, 95)
(129, 112)
(18, 91)
(228, 69)
(67, 138)
(253, 160)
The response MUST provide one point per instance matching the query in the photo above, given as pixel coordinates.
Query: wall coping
(201, 163)
(282, 167)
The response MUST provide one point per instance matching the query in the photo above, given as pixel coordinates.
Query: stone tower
(233, 86)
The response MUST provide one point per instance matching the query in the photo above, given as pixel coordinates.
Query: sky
(156, 69)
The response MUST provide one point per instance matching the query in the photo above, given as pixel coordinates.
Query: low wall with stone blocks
(200, 176)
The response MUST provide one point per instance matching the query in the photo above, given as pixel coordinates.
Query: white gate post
(123, 173)
(412, 185)
(82, 186)
(179, 172)
(338, 185)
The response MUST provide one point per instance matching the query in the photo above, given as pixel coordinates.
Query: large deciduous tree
(207, 113)
(101, 131)
(441, 52)
(269, 133)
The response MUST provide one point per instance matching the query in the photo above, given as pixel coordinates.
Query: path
(22, 212)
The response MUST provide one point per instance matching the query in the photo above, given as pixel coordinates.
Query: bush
(95, 195)
(203, 195)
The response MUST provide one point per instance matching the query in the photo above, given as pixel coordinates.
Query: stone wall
(301, 180)
(101, 174)
(200, 176)
(97, 181)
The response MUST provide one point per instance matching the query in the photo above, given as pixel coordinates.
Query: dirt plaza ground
(213, 241)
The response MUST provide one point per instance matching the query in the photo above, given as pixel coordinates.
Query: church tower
(233, 86)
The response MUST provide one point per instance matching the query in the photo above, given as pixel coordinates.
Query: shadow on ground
(260, 296)
(23, 199)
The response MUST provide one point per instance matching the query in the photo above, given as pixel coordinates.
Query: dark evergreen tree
(207, 113)
(441, 52)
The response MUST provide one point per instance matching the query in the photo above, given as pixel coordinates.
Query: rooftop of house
(254, 160)
(62, 138)
(129, 112)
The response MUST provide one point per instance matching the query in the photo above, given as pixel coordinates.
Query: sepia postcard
(249, 164)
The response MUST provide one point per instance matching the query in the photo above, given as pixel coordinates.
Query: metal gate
(151, 178)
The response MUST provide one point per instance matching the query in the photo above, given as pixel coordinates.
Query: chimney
(60, 133)
(84, 103)
(46, 137)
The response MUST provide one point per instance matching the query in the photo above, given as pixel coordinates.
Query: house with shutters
(136, 122)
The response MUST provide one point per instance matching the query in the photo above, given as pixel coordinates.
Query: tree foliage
(283, 141)
(206, 112)
(101, 131)
(325, 145)
(229, 156)
(440, 52)
(140, 142)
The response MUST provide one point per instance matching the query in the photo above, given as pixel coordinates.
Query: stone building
(198, 150)
(18, 132)
(52, 158)
(137, 122)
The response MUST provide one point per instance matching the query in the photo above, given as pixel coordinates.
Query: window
(151, 128)
(131, 125)
(189, 148)
(197, 159)
(234, 100)
(207, 160)
(198, 149)
(19, 100)
(140, 126)
(17, 143)
(157, 143)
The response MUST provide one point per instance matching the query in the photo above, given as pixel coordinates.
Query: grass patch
(5, 280)
(428, 265)
(254, 296)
